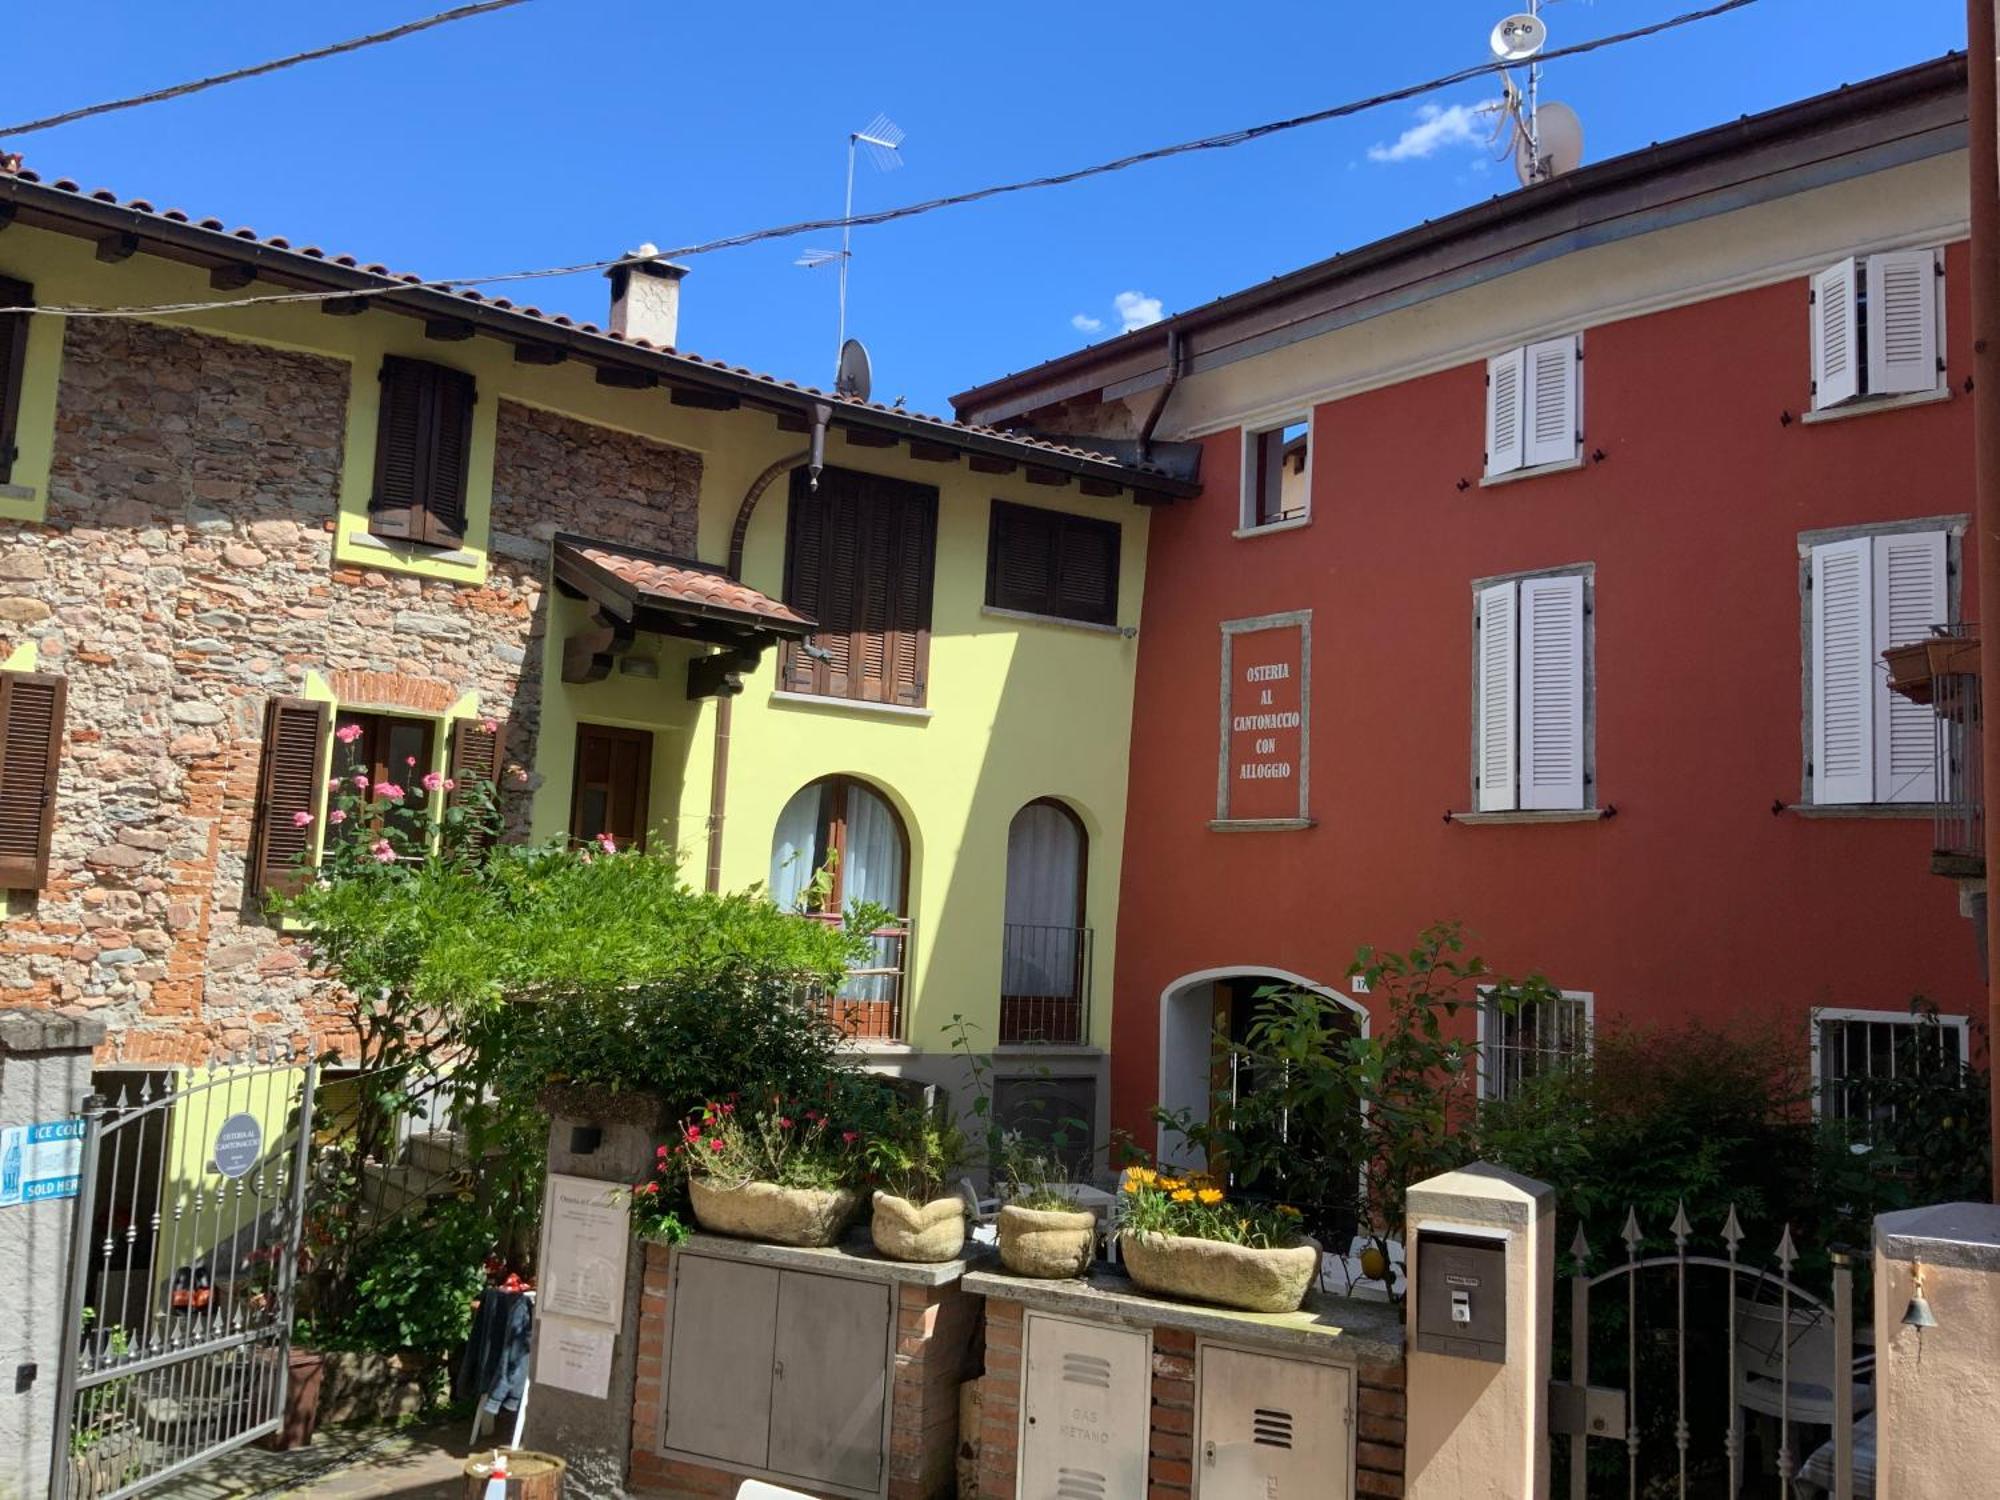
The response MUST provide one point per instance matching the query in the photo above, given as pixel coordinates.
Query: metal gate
(183, 1274)
(1790, 1361)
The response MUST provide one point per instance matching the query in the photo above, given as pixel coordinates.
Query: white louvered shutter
(1504, 403)
(1902, 322)
(1498, 674)
(1844, 677)
(1910, 598)
(1836, 361)
(1551, 425)
(1552, 692)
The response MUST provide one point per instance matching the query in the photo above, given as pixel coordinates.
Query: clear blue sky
(573, 129)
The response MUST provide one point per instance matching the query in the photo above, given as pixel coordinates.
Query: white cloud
(1436, 129)
(1137, 310)
(1085, 323)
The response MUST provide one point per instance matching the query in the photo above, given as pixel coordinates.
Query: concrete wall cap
(1965, 1236)
(31, 1028)
(1484, 1180)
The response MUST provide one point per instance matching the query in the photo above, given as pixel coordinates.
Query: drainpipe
(1984, 122)
(1159, 406)
(718, 784)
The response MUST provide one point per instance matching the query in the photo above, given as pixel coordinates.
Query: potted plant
(1185, 1238)
(917, 1216)
(771, 1175)
(1043, 1233)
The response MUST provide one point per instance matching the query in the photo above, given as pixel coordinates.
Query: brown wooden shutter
(910, 624)
(287, 784)
(1020, 557)
(474, 754)
(804, 561)
(31, 727)
(396, 509)
(453, 394)
(839, 588)
(1086, 583)
(13, 368)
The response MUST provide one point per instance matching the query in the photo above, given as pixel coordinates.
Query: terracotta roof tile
(690, 583)
(946, 426)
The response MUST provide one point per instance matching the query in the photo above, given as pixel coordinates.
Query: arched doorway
(1200, 1014)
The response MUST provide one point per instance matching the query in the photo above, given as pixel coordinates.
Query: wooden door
(614, 772)
(724, 1327)
(830, 1379)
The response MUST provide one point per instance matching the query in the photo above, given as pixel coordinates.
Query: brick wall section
(1379, 1426)
(183, 577)
(1379, 1415)
(934, 1327)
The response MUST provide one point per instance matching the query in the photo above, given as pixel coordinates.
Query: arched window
(1045, 953)
(847, 830)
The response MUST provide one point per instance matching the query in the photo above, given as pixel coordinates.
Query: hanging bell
(1918, 1314)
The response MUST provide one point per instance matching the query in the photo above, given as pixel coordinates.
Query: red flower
(693, 1132)
(784, 1122)
(661, 1152)
(850, 1136)
(729, 1109)
(715, 1144)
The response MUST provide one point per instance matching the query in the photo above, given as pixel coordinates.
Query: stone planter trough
(924, 1233)
(1047, 1243)
(1193, 1270)
(776, 1215)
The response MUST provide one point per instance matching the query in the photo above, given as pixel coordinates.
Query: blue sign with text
(40, 1162)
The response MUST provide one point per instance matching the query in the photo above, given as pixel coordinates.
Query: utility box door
(1086, 1405)
(722, 1328)
(830, 1380)
(1268, 1428)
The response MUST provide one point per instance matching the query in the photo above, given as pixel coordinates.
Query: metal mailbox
(1462, 1295)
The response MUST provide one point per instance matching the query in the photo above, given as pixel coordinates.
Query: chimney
(646, 297)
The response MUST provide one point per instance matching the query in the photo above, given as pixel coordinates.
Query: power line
(929, 205)
(335, 49)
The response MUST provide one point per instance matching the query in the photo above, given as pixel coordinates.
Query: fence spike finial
(1681, 1227)
(1630, 1233)
(1579, 1249)
(1788, 1253)
(1732, 1230)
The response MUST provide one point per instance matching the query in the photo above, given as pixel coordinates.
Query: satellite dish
(1518, 38)
(853, 377)
(1560, 143)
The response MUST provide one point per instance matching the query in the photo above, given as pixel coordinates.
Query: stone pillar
(1478, 1427)
(44, 1074)
(1936, 1392)
(612, 1139)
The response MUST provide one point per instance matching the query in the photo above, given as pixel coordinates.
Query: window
(13, 367)
(858, 559)
(1046, 562)
(380, 746)
(1877, 327)
(1862, 1059)
(1277, 474)
(423, 451)
(1045, 948)
(839, 842)
(1869, 593)
(614, 774)
(1534, 406)
(31, 727)
(1532, 1040)
(1532, 685)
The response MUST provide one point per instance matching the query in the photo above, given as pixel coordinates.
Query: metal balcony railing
(869, 1003)
(1958, 838)
(1044, 984)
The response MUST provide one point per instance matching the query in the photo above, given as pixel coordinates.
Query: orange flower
(1210, 1196)
(1183, 1195)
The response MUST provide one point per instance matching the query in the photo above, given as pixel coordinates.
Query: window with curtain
(1045, 955)
(848, 830)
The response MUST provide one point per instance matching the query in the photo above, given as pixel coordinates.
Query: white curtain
(793, 846)
(1044, 864)
(872, 870)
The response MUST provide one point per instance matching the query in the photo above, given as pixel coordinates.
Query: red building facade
(1615, 489)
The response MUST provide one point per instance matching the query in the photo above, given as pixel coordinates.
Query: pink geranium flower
(390, 790)
(451, 783)
(361, 781)
(347, 734)
(336, 816)
(302, 819)
(607, 843)
(383, 852)
(491, 726)
(432, 781)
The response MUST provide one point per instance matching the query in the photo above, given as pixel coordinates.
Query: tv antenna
(883, 138)
(1548, 138)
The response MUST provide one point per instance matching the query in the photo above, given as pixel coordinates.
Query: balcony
(1943, 671)
(1044, 985)
(868, 1006)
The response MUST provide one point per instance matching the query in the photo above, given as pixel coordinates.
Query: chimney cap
(646, 261)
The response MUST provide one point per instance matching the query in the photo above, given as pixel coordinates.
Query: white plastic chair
(1799, 1383)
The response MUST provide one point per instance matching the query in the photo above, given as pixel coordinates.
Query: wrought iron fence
(1958, 838)
(1044, 983)
(868, 1005)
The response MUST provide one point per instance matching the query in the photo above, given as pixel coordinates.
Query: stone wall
(184, 576)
